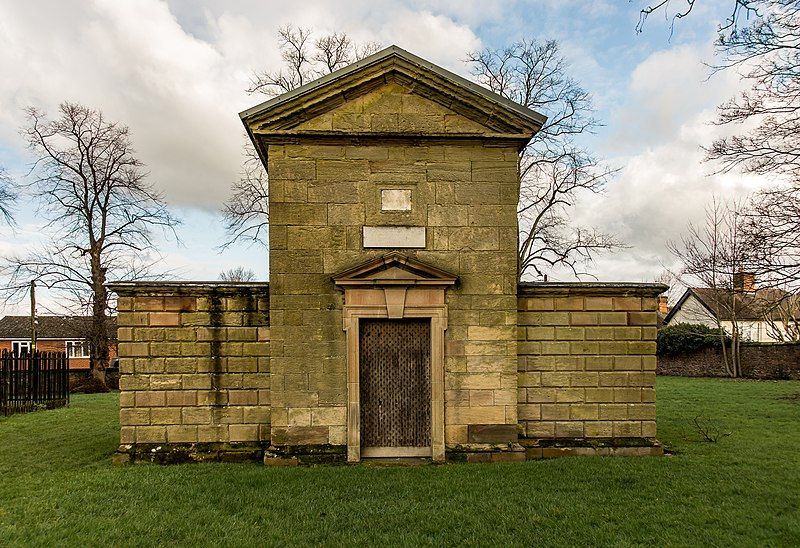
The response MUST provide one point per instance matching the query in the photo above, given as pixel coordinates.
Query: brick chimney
(663, 307)
(744, 281)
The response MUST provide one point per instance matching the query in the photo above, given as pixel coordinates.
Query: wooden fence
(33, 381)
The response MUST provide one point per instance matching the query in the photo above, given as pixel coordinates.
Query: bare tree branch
(100, 209)
(297, 69)
(772, 222)
(246, 212)
(554, 171)
(741, 9)
(766, 54)
(7, 197)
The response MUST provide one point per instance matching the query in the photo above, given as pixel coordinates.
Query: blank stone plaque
(395, 199)
(394, 236)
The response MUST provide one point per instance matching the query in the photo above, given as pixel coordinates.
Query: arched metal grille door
(395, 386)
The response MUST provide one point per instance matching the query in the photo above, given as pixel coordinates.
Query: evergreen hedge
(688, 337)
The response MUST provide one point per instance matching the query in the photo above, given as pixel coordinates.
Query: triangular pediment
(395, 107)
(395, 269)
(393, 66)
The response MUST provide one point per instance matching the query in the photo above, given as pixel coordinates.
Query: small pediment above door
(394, 269)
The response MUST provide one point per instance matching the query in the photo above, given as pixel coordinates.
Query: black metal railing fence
(31, 381)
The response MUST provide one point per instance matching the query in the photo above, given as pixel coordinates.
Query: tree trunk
(725, 361)
(738, 362)
(98, 338)
(735, 368)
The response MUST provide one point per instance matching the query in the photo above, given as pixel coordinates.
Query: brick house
(392, 324)
(54, 334)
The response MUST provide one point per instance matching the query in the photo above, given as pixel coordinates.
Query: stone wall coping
(591, 288)
(186, 287)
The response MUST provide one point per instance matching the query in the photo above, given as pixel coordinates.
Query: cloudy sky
(175, 72)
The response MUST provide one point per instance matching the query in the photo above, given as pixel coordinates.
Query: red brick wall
(60, 346)
(759, 361)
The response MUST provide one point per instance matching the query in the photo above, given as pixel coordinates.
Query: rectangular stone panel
(396, 199)
(394, 236)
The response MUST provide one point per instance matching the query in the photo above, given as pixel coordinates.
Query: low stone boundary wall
(196, 384)
(587, 364)
(194, 366)
(766, 361)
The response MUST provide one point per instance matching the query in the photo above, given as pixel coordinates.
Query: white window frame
(17, 346)
(83, 346)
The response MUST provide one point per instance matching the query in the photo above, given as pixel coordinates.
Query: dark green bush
(687, 337)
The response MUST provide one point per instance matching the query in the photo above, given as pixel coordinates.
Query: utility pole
(33, 316)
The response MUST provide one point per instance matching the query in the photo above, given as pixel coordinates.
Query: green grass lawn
(57, 487)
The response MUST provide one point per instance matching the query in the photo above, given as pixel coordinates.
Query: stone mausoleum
(392, 325)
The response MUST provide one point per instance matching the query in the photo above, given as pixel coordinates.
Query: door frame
(399, 450)
(394, 286)
(430, 305)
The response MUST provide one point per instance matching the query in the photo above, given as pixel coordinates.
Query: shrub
(687, 337)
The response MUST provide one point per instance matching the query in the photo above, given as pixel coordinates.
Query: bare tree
(101, 213)
(714, 255)
(760, 41)
(246, 212)
(305, 59)
(554, 170)
(7, 197)
(237, 274)
(766, 55)
(782, 318)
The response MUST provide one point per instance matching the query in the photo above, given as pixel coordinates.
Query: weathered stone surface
(491, 433)
(180, 350)
(236, 367)
(462, 191)
(582, 366)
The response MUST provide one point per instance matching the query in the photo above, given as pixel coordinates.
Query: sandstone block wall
(587, 364)
(194, 363)
(324, 190)
(195, 368)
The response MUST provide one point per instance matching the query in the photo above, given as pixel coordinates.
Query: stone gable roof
(51, 327)
(338, 86)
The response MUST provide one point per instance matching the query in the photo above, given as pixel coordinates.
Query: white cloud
(657, 134)
(175, 73)
(665, 90)
(180, 89)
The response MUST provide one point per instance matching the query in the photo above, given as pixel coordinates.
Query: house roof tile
(51, 327)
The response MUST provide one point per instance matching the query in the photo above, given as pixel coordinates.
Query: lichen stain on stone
(250, 311)
(215, 325)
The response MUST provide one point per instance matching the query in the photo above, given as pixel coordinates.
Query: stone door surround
(394, 287)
